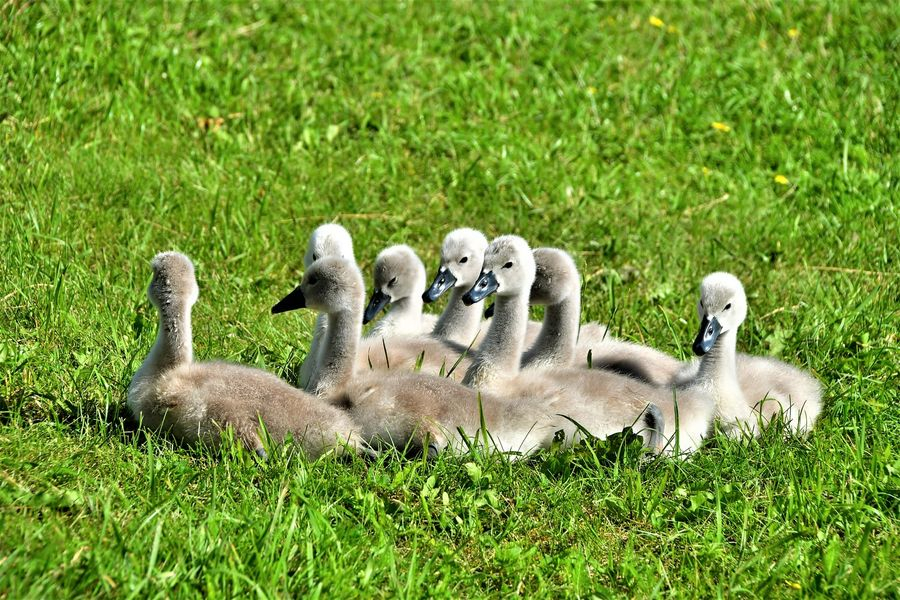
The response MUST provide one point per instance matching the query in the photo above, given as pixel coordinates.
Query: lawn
(655, 142)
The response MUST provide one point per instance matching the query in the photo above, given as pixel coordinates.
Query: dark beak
(443, 281)
(292, 301)
(379, 300)
(484, 287)
(489, 311)
(706, 337)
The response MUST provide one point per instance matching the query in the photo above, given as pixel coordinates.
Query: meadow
(656, 142)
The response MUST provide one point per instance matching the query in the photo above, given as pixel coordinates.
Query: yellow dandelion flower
(706, 171)
(782, 180)
(793, 33)
(720, 126)
(655, 21)
(591, 90)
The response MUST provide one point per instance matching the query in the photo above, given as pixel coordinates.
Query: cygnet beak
(292, 301)
(379, 300)
(443, 281)
(706, 337)
(484, 287)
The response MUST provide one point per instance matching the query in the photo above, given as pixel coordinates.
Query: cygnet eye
(313, 280)
(507, 265)
(728, 306)
(464, 260)
(392, 282)
(315, 257)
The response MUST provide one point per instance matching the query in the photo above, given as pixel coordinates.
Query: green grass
(573, 124)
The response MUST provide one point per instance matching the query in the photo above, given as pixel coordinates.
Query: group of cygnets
(423, 384)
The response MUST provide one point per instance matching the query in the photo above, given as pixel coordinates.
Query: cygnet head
(508, 269)
(556, 276)
(330, 285)
(173, 280)
(722, 308)
(399, 274)
(461, 255)
(329, 239)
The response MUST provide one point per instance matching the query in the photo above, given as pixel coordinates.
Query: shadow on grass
(590, 454)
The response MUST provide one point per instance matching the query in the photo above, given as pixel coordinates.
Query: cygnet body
(562, 342)
(557, 286)
(461, 255)
(601, 402)
(747, 389)
(329, 239)
(195, 402)
(769, 386)
(403, 409)
(376, 352)
(399, 282)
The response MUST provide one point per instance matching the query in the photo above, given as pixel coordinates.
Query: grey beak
(292, 301)
(443, 281)
(484, 287)
(379, 300)
(706, 337)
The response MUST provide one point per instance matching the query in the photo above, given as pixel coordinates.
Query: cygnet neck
(501, 350)
(406, 313)
(458, 323)
(173, 346)
(555, 344)
(338, 349)
(311, 364)
(718, 371)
